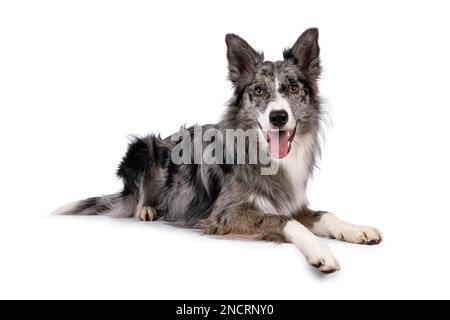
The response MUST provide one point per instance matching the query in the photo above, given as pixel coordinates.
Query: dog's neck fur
(298, 166)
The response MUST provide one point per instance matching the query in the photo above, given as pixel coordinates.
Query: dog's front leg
(250, 222)
(326, 224)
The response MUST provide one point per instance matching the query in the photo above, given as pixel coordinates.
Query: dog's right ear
(305, 53)
(242, 58)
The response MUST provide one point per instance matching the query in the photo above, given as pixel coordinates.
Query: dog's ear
(305, 53)
(242, 58)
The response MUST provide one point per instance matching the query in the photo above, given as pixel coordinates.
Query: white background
(77, 77)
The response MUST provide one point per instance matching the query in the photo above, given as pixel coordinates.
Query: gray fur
(221, 198)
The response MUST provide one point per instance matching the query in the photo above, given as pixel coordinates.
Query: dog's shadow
(169, 227)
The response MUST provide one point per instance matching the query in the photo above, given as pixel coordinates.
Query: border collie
(245, 176)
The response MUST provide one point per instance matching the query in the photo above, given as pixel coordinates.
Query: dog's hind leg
(241, 220)
(139, 171)
(326, 224)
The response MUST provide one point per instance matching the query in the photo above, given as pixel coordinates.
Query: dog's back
(180, 193)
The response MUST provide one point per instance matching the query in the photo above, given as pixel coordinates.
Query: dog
(277, 101)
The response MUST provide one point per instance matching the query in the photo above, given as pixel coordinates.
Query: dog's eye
(259, 91)
(293, 88)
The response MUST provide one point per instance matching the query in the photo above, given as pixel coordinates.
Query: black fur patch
(204, 200)
(172, 171)
(289, 55)
(134, 165)
(161, 154)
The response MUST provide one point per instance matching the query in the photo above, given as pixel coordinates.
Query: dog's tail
(134, 170)
(111, 205)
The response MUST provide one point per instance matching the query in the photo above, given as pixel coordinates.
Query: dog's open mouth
(279, 142)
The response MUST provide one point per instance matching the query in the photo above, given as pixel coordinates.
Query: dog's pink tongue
(279, 144)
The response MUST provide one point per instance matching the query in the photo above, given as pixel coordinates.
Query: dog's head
(280, 97)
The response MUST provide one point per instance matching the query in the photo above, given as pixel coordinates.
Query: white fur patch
(316, 253)
(66, 208)
(296, 165)
(330, 226)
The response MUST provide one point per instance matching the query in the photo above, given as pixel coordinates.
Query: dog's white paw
(329, 225)
(358, 234)
(316, 253)
(147, 214)
(321, 257)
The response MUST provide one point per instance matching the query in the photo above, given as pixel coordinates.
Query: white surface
(77, 77)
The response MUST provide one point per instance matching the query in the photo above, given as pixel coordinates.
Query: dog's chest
(296, 170)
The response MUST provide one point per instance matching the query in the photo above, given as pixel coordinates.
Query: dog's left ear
(242, 58)
(305, 53)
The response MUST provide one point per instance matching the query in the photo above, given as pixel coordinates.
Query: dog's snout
(278, 118)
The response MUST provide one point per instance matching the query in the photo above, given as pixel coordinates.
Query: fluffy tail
(115, 205)
(92, 206)
(133, 170)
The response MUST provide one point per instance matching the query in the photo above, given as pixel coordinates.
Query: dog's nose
(278, 118)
